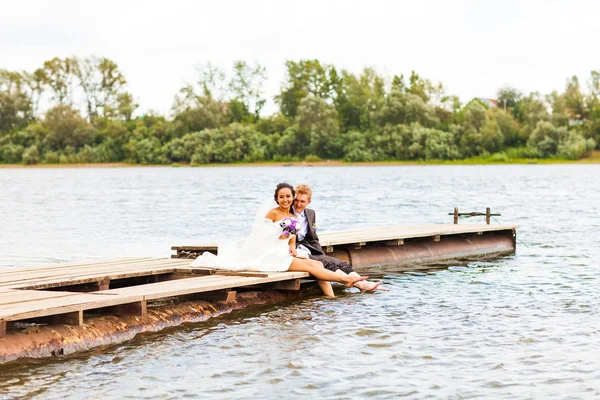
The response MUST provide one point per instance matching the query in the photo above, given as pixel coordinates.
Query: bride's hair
(283, 185)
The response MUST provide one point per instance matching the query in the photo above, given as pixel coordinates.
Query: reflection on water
(523, 326)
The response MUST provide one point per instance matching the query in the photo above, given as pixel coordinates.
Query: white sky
(472, 47)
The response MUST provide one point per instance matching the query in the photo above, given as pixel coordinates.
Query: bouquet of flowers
(289, 226)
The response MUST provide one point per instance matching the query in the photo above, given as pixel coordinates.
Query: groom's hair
(303, 188)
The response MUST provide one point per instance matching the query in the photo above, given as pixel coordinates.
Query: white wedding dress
(261, 251)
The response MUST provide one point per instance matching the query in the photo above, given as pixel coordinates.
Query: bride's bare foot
(366, 286)
(352, 280)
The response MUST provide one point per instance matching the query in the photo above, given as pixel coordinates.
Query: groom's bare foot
(366, 286)
(352, 280)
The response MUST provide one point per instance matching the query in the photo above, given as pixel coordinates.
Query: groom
(308, 241)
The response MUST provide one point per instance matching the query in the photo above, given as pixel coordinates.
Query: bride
(272, 247)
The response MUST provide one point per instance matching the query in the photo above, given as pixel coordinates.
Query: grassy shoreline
(594, 158)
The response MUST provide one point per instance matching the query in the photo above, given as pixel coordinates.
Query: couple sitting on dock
(284, 238)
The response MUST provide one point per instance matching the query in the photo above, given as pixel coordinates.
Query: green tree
(507, 98)
(145, 151)
(419, 86)
(66, 127)
(15, 105)
(358, 98)
(273, 124)
(318, 127)
(475, 116)
(36, 84)
(405, 108)
(545, 138)
(31, 155)
(195, 112)
(59, 74)
(511, 131)
(492, 139)
(303, 78)
(356, 148)
(246, 86)
(530, 110)
(574, 146)
(103, 86)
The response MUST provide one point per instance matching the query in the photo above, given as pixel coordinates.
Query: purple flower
(289, 226)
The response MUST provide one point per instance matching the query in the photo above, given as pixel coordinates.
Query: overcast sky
(472, 47)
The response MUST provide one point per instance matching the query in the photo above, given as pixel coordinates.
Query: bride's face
(285, 198)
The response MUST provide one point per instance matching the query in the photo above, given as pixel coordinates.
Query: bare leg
(326, 287)
(315, 268)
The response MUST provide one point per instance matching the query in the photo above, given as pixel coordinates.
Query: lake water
(518, 327)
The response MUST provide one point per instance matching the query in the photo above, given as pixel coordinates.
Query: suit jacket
(311, 240)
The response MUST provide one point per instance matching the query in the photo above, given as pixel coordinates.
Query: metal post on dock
(488, 215)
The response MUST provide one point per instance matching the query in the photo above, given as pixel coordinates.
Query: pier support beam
(227, 296)
(137, 309)
(292, 284)
(74, 318)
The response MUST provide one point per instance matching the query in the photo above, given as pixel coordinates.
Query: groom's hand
(293, 251)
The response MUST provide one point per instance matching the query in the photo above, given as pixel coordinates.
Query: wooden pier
(402, 244)
(76, 293)
(61, 293)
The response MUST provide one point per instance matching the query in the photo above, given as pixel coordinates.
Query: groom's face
(301, 202)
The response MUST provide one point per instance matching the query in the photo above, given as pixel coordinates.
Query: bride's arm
(292, 243)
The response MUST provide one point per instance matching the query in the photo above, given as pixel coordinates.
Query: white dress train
(261, 251)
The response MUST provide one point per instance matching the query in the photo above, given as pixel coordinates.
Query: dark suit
(311, 242)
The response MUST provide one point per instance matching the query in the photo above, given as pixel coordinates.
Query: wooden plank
(382, 234)
(206, 247)
(243, 273)
(2, 329)
(62, 305)
(62, 282)
(88, 270)
(196, 270)
(158, 267)
(168, 288)
(20, 296)
(77, 264)
(65, 275)
(159, 290)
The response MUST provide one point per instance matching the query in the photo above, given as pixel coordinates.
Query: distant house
(574, 122)
(487, 103)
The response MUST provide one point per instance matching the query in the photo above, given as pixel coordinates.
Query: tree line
(323, 113)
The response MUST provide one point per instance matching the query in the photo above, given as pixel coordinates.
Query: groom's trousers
(332, 263)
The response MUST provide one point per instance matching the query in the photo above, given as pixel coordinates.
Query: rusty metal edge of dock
(59, 340)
